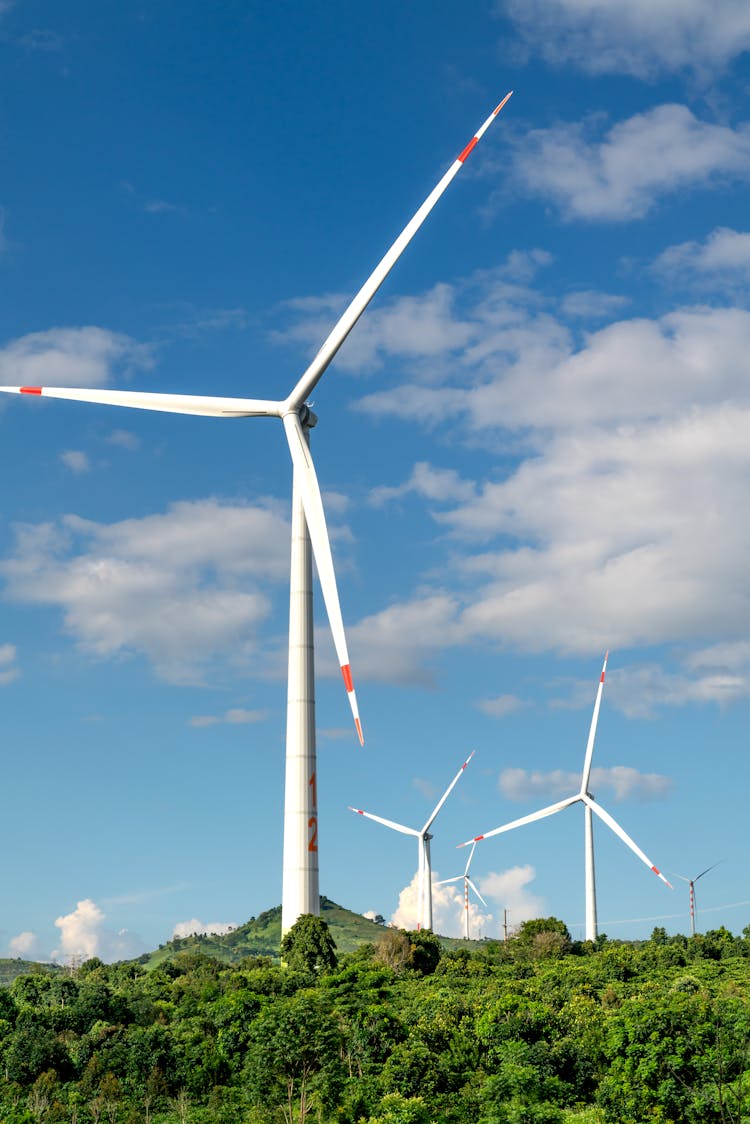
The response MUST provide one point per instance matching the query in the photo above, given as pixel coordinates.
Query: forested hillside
(399, 1032)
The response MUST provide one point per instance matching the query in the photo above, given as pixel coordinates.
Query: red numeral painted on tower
(313, 792)
(312, 824)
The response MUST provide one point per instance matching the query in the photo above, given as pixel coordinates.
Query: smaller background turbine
(467, 883)
(691, 883)
(423, 836)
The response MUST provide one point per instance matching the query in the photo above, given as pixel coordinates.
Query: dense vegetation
(533, 1031)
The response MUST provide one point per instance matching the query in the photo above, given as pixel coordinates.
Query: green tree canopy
(309, 946)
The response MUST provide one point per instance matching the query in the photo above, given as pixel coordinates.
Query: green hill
(10, 969)
(261, 936)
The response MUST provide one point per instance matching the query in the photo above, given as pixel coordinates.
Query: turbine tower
(423, 836)
(300, 892)
(691, 883)
(467, 883)
(585, 797)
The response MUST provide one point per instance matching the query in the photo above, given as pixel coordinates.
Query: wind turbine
(583, 796)
(691, 883)
(300, 893)
(423, 836)
(467, 883)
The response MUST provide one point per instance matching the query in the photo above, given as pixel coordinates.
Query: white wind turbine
(691, 883)
(423, 836)
(583, 796)
(467, 883)
(300, 893)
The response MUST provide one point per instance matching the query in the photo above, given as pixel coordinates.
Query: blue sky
(533, 448)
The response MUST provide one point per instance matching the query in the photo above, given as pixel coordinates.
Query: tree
(309, 946)
(294, 1060)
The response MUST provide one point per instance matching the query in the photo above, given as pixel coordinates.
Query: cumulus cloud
(8, 669)
(421, 325)
(615, 522)
(719, 675)
(194, 927)
(397, 644)
(644, 38)
(721, 262)
(447, 911)
(84, 935)
(510, 890)
(25, 946)
(622, 781)
(70, 357)
(622, 174)
(429, 482)
(177, 587)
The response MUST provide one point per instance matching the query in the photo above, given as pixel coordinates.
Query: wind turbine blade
(707, 870)
(592, 730)
(310, 378)
(468, 861)
(321, 545)
(540, 815)
(447, 792)
(387, 823)
(204, 405)
(614, 825)
(445, 881)
(476, 892)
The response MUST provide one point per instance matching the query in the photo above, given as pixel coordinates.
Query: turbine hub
(307, 419)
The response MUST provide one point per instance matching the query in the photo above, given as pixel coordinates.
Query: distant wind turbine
(423, 836)
(691, 883)
(583, 796)
(467, 883)
(300, 892)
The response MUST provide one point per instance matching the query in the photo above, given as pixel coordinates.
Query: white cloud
(177, 587)
(439, 484)
(83, 934)
(624, 782)
(8, 670)
(622, 175)
(642, 690)
(236, 716)
(194, 927)
(447, 911)
(502, 705)
(589, 304)
(123, 439)
(70, 357)
(721, 261)
(644, 37)
(25, 945)
(510, 890)
(615, 523)
(162, 207)
(422, 325)
(396, 645)
(75, 460)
